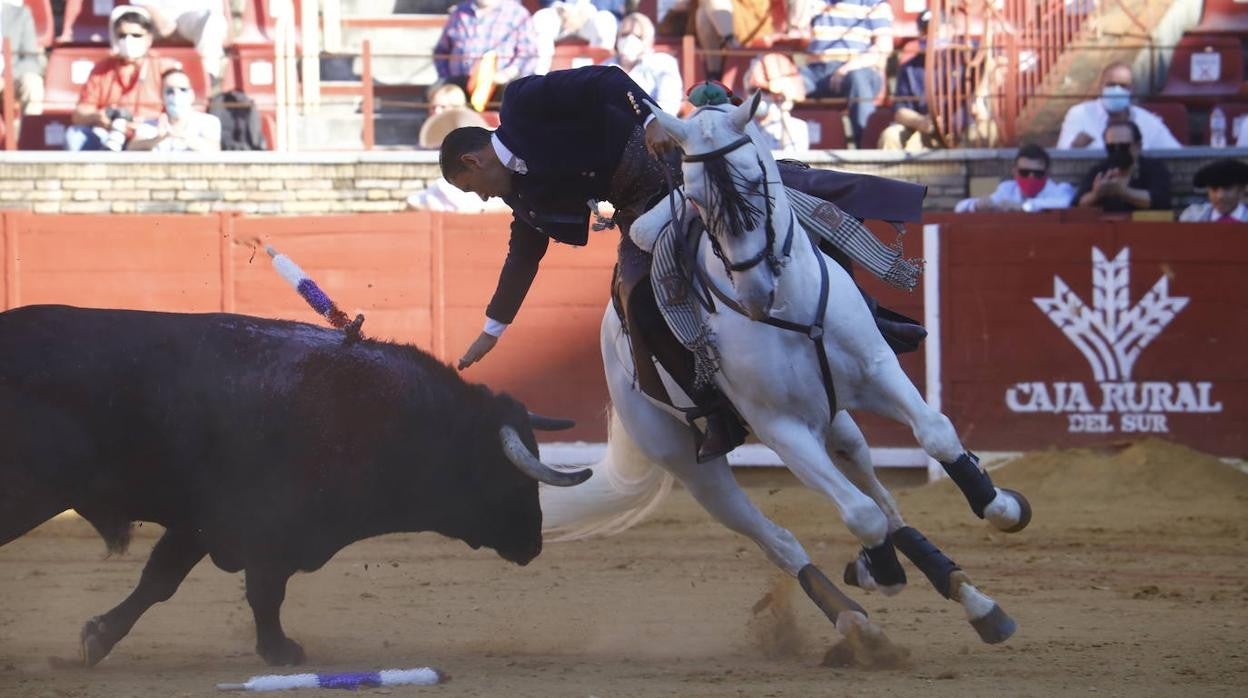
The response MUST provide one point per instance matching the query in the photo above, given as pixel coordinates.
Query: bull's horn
(541, 422)
(529, 464)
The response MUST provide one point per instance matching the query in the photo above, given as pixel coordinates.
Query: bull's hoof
(285, 652)
(94, 643)
(994, 626)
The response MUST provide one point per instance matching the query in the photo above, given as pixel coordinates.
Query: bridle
(767, 253)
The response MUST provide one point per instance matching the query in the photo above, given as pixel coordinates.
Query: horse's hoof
(285, 652)
(851, 573)
(994, 626)
(92, 646)
(865, 645)
(1024, 511)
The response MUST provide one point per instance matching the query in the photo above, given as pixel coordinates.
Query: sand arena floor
(1131, 581)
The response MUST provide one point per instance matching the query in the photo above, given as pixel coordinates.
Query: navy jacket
(570, 128)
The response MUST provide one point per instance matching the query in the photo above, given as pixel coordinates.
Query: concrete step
(336, 130)
(401, 55)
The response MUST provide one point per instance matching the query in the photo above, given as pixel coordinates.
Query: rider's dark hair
(461, 141)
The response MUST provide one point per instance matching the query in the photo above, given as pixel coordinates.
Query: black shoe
(724, 432)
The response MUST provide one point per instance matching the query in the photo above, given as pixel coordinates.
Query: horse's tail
(625, 488)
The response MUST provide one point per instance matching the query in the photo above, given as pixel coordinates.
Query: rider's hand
(480, 347)
(658, 141)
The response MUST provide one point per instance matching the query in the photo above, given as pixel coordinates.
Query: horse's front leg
(891, 394)
(872, 569)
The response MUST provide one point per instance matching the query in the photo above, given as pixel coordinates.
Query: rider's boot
(724, 432)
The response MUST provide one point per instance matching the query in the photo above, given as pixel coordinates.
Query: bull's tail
(625, 488)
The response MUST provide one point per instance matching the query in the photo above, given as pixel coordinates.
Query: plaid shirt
(507, 30)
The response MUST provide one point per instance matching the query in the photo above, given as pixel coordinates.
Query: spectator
(1125, 181)
(1225, 181)
(18, 26)
(1241, 130)
(591, 20)
(656, 73)
(181, 127)
(1085, 121)
(444, 97)
(201, 23)
(851, 42)
(913, 128)
(778, 79)
(503, 29)
(1029, 190)
(121, 90)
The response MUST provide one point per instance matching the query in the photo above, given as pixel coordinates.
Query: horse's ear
(674, 126)
(742, 113)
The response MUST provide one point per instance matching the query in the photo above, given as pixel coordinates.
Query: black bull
(266, 445)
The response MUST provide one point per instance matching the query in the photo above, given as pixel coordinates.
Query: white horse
(772, 376)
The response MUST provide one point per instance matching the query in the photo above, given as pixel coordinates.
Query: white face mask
(131, 47)
(178, 103)
(630, 48)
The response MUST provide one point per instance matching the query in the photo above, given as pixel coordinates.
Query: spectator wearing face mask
(501, 29)
(1086, 121)
(1125, 181)
(1030, 189)
(122, 89)
(1225, 182)
(181, 127)
(777, 78)
(201, 23)
(656, 73)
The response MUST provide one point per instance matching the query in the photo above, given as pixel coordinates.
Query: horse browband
(718, 152)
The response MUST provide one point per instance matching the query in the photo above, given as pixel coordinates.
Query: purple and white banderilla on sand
(424, 676)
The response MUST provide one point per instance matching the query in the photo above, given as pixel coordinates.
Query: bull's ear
(742, 113)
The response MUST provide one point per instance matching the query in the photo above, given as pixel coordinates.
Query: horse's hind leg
(893, 395)
(853, 457)
(173, 557)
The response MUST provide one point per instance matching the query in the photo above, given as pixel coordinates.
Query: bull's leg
(893, 395)
(266, 589)
(171, 560)
(853, 457)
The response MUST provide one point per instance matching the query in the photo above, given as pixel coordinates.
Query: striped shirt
(847, 28)
(507, 30)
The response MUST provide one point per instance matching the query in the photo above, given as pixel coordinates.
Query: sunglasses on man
(1034, 174)
(131, 35)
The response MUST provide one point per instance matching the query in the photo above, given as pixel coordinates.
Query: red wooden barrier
(1012, 379)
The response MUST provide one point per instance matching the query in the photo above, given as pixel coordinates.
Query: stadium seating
(252, 70)
(574, 53)
(83, 24)
(44, 131)
(1175, 116)
(879, 120)
(1224, 17)
(1232, 110)
(1205, 68)
(827, 129)
(41, 11)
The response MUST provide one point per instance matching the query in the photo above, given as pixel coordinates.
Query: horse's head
(736, 188)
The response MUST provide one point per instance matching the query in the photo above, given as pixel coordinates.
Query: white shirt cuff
(494, 328)
(649, 118)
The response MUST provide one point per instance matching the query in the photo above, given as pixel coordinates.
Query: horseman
(572, 139)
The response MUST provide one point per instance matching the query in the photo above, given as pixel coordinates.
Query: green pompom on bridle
(710, 93)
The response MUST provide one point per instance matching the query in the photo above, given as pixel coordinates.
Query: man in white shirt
(656, 73)
(1086, 121)
(1225, 181)
(202, 23)
(1029, 190)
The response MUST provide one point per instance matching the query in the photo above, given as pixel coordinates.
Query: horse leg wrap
(973, 482)
(823, 592)
(927, 557)
(885, 568)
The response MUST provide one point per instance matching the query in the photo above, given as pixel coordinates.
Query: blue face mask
(1115, 98)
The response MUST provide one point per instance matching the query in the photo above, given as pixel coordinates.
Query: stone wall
(359, 182)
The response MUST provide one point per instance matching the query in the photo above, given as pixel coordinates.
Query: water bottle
(1217, 128)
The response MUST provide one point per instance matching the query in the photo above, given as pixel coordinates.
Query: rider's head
(469, 161)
